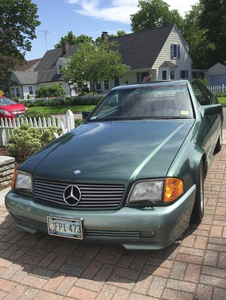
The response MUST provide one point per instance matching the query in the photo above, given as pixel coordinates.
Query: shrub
(16, 99)
(25, 142)
(55, 90)
(220, 94)
(42, 92)
(28, 140)
(48, 135)
(78, 122)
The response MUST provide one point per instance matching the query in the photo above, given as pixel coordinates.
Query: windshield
(158, 101)
(6, 101)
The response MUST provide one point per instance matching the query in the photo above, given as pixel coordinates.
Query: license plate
(65, 227)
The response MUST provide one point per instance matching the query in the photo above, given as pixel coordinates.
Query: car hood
(13, 107)
(113, 152)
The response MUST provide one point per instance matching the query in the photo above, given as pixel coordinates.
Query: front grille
(112, 234)
(92, 195)
(18, 112)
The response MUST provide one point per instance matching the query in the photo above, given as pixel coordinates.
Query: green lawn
(222, 100)
(61, 109)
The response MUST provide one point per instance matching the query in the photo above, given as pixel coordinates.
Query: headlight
(22, 181)
(5, 112)
(147, 191)
(166, 190)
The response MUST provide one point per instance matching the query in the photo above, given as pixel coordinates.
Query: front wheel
(198, 209)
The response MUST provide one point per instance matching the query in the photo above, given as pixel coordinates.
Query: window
(175, 51)
(145, 76)
(184, 74)
(164, 75)
(106, 85)
(12, 92)
(117, 81)
(17, 92)
(30, 90)
(98, 85)
(172, 74)
(202, 94)
(60, 69)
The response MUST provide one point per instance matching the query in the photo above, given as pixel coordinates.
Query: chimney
(104, 36)
(65, 46)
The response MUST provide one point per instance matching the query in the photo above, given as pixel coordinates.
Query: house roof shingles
(47, 70)
(27, 77)
(28, 65)
(141, 49)
(138, 50)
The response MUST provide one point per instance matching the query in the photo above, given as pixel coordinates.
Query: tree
(94, 62)
(18, 21)
(154, 13)
(119, 33)
(72, 39)
(199, 47)
(213, 21)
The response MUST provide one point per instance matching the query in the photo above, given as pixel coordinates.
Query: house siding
(217, 74)
(145, 51)
(183, 63)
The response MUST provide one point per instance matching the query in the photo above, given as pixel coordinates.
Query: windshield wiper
(169, 117)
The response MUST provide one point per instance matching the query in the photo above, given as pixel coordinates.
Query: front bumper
(130, 227)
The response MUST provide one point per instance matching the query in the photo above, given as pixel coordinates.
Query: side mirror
(211, 110)
(85, 114)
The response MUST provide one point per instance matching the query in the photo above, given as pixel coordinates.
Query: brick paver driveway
(43, 267)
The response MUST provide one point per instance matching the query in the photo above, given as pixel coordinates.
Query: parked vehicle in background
(10, 109)
(132, 174)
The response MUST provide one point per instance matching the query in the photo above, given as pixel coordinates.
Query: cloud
(115, 10)
(121, 10)
(181, 6)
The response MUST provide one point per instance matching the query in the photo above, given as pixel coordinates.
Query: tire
(219, 143)
(198, 209)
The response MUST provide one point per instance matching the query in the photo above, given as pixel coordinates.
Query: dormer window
(60, 69)
(175, 51)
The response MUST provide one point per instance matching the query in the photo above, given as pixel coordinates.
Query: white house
(155, 54)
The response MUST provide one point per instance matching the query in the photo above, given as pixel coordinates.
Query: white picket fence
(7, 126)
(217, 88)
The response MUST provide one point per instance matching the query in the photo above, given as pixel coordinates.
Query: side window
(164, 75)
(172, 74)
(202, 94)
(117, 81)
(184, 74)
(175, 51)
(30, 90)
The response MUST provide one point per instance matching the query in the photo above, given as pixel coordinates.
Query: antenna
(45, 34)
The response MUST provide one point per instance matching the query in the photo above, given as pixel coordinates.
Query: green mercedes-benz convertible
(132, 174)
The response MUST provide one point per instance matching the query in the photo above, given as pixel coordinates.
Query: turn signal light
(173, 189)
(13, 180)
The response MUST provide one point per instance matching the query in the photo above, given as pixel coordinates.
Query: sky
(88, 17)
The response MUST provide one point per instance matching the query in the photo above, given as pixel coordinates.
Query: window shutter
(138, 77)
(178, 51)
(186, 73)
(181, 74)
(171, 51)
